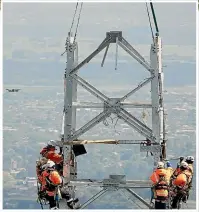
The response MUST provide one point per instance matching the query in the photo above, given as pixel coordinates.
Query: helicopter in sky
(13, 90)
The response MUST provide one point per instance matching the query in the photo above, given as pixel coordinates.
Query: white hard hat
(160, 165)
(49, 165)
(190, 159)
(184, 164)
(52, 143)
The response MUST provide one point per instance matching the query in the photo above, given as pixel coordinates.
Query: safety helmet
(50, 165)
(184, 165)
(189, 159)
(160, 165)
(51, 144)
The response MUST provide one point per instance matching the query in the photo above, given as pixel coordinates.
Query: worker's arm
(55, 157)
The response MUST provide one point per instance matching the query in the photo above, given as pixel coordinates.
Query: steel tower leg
(70, 95)
(156, 92)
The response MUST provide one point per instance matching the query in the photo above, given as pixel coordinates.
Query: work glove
(168, 164)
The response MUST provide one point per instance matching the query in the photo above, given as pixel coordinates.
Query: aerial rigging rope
(78, 21)
(154, 18)
(150, 21)
(74, 17)
(73, 20)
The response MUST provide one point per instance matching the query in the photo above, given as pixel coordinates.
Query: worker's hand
(168, 164)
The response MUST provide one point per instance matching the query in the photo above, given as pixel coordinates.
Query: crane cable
(78, 22)
(154, 18)
(150, 21)
(74, 17)
(73, 20)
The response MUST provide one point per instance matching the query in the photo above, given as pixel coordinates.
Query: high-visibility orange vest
(48, 179)
(181, 180)
(160, 184)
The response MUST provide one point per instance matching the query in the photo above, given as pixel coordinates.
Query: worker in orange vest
(189, 160)
(49, 152)
(160, 185)
(50, 180)
(51, 185)
(180, 184)
(177, 170)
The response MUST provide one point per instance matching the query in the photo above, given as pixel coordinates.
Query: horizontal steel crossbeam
(102, 183)
(107, 141)
(97, 105)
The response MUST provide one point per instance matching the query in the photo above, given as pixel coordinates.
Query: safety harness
(161, 185)
(49, 184)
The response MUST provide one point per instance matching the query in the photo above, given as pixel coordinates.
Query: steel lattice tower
(70, 135)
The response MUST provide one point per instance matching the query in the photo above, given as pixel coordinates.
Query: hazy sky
(26, 23)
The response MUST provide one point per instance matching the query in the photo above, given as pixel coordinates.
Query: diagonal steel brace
(137, 88)
(136, 120)
(90, 88)
(136, 127)
(128, 198)
(139, 198)
(146, 65)
(106, 99)
(93, 198)
(100, 48)
(96, 120)
(129, 46)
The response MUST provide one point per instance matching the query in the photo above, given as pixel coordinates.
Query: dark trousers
(160, 205)
(59, 168)
(52, 201)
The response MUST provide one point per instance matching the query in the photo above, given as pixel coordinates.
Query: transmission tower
(73, 146)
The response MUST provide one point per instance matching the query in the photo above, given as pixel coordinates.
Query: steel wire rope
(150, 21)
(74, 17)
(78, 22)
